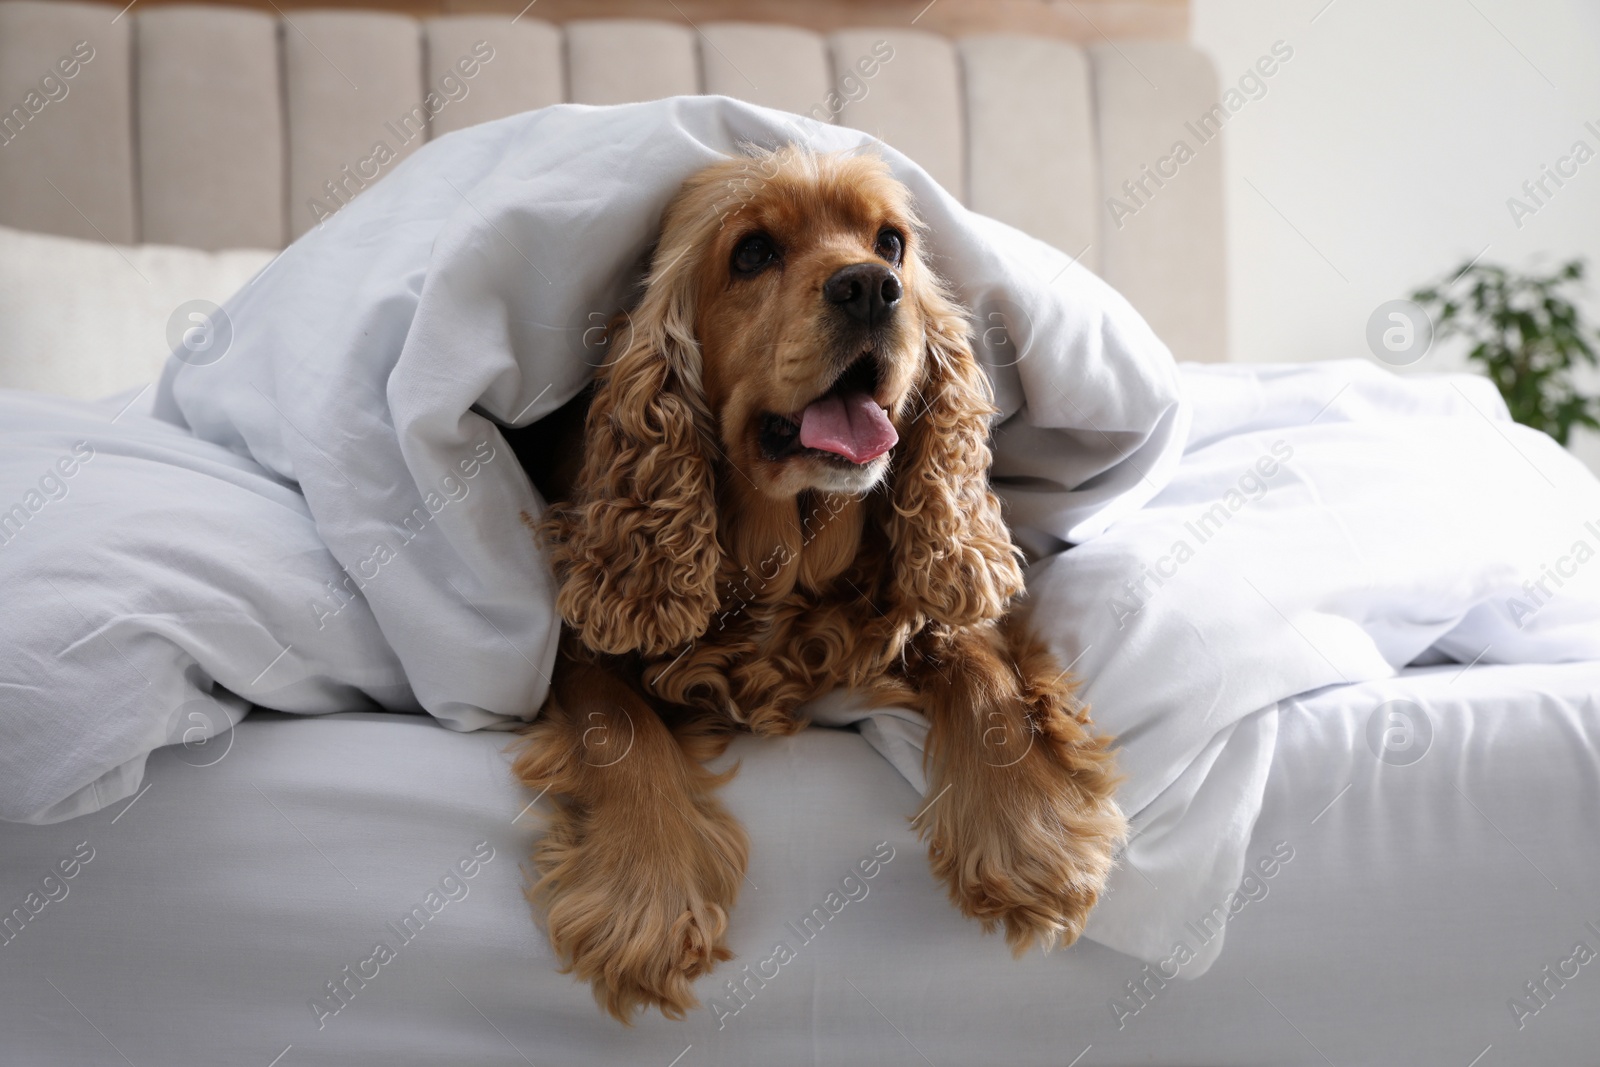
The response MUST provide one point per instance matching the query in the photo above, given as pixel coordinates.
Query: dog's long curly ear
(952, 553)
(635, 551)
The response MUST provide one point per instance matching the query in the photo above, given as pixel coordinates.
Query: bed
(1414, 870)
(1407, 906)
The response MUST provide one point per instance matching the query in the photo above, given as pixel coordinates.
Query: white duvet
(339, 498)
(1329, 523)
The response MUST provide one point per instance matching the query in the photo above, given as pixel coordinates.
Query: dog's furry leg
(641, 864)
(1020, 822)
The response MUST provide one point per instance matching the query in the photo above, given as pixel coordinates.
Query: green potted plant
(1526, 334)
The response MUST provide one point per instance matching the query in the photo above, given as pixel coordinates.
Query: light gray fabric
(1291, 553)
(774, 66)
(1337, 568)
(527, 70)
(244, 119)
(354, 83)
(1040, 177)
(156, 570)
(210, 118)
(67, 164)
(913, 102)
(621, 61)
(257, 866)
(1167, 257)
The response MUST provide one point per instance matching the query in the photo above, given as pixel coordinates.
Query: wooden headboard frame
(1084, 21)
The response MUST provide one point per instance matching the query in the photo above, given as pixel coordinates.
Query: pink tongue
(852, 426)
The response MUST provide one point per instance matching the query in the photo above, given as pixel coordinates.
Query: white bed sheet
(1419, 898)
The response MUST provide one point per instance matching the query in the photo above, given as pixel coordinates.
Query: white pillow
(87, 318)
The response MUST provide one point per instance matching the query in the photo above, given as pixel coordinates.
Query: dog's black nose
(867, 292)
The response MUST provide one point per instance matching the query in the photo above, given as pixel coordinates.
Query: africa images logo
(1141, 189)
(753, 978)
(452, 888)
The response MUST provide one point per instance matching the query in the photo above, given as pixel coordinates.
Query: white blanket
(1337, 522)
(154, 587)
(372, 359)
(1329, 523)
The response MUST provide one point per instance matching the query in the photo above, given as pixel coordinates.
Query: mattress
(347, 889)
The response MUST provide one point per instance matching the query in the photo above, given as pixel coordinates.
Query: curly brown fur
(639, 864)
(636, 550)
(1020, 824)
(715, 581)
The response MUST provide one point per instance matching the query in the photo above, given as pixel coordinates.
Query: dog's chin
(835, 474)
(810, 471)
(790, 468)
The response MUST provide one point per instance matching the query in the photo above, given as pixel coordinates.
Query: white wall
(1392, 141)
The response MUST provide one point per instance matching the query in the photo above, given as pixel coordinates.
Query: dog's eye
(753, 254)
(891, 246)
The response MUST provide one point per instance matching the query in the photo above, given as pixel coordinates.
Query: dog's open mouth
(845, 423)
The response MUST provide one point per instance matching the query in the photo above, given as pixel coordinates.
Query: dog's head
(791, 338)
(811, 299)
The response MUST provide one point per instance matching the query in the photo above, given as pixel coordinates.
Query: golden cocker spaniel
(778, 486)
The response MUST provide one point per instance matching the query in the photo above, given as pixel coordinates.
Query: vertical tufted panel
(353, 83)
(525, 69)
(1162, 236)
(213, 126)
(1030, 139)
(75, 134)
(774, 66)
(210, 128)
(620, 61)
(912, 100)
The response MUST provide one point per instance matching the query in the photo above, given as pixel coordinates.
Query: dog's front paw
(1026, 845)
(638, 906)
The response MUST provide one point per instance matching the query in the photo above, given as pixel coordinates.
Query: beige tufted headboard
(218, 127)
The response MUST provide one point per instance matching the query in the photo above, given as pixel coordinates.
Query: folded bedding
(156, 586)
(334, 491)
